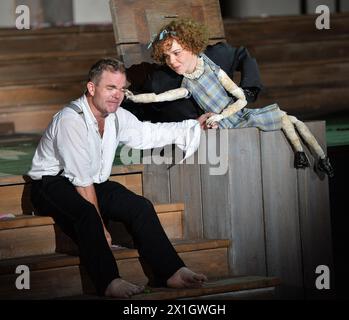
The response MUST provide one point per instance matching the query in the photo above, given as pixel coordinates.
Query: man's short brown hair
(105, 64)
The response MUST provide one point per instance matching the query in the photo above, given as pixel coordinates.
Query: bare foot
(185, 278)
(120, 288)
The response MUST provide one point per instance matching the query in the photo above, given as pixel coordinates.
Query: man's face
(108, 94)
(179, 59)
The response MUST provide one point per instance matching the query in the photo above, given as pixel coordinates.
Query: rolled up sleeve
(146, 135)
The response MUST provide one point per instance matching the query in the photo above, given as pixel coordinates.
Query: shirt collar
(89, 116)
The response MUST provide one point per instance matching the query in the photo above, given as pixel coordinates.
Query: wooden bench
(304, 69)
(43, 69)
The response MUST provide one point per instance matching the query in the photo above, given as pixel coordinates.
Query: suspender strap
(80, 112)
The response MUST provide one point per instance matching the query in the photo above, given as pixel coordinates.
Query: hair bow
(163, 34)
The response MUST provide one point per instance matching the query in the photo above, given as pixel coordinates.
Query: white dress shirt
(72, 142)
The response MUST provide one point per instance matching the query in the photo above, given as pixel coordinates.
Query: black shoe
(324, 165)
(300, 160)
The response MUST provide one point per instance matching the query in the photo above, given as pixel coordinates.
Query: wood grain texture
(185, 186)
(315, 221)
(232, 203)
(281, 213)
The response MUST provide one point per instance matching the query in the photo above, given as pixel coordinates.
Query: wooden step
(227, 288)
(272, 30)
(29, 119)
(297, 51)
(15, 191)
(239, 285)
(48, 68)
(35, 235)
(59, 275)
(41, 94)
(307, 102)
(316, 73)
(16, 43)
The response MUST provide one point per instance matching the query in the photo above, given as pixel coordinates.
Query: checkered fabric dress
(211, 96)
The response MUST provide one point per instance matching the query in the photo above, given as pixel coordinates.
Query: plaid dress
(211, 96)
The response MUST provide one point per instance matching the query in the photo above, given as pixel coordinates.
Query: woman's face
(180, 60)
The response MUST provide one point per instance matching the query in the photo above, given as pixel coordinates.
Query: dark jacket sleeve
(232, 59)
(162, 78)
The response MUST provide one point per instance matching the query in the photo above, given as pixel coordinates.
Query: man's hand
(108, 236)
(203, 118)
(214, 119)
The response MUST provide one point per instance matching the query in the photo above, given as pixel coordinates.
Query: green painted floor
(337, 131)
(16, 152)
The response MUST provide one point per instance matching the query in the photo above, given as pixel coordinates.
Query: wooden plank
(307, 101)
(245, 180)
(269, 30)
(72, 280)
(137, 21)
(227, 207)
(294, 51)
(315, 220)
(15, 234)
(30, 119)
(55, 30)
(25, 221)
(195, 260)
(169, 207)
(58, 260)
(315, 73)
(45, 276)
(116, 170)
(156, 183)
(185, 186)
(7, 128)
(52, 67)
(15, 197)
(212, 287)
(171, 221)
(44, 284)
(39, 94)
(27, 241)
(133, 182)
(46, 40)
(148, 17)
(281, 214)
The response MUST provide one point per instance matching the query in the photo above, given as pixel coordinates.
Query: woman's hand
(203, 121)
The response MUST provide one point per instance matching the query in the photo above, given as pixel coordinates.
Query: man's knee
(144, 210)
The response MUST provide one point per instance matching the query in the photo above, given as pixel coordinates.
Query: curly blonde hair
(190, 34)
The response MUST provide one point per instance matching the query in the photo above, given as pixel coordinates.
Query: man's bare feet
(185, 278)
(120, 288)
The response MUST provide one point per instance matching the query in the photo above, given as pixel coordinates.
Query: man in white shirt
(70, 172)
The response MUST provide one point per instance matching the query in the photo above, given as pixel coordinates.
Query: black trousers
(55, 196)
